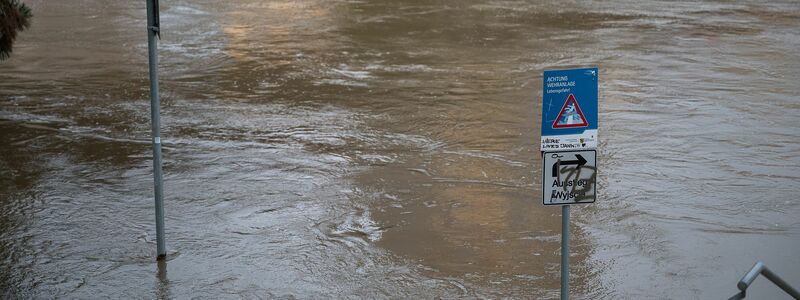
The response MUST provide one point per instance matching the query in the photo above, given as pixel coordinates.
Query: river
(390, 149)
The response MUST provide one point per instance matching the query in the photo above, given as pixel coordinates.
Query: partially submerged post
(152, 47)
(568, 145)
(564, 252)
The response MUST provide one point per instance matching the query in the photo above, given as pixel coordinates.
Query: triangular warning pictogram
(570, 115)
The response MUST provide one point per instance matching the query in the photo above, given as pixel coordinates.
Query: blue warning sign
(569, 110)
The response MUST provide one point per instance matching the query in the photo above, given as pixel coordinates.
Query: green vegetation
(14, 16)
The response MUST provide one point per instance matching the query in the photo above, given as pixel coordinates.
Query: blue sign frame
(569, 109)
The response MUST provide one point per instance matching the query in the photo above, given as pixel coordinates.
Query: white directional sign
(569, 177)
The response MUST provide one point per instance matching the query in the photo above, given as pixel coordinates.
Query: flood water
(390, 149)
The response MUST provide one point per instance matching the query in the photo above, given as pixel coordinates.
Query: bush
(14, 16)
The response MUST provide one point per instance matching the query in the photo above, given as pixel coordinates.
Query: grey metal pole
(565, 252)
(780, 283)
(155, 111)
(750, 276)
(760, 268)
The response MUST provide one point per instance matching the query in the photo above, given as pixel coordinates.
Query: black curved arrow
(580, 162)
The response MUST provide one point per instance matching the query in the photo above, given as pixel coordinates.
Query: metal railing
(760, 268)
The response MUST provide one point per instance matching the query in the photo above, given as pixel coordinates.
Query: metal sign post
(565, 252)
(568, 143)
(152, 47)
(568, 177)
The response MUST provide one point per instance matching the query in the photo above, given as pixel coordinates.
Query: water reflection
(330, 149)
(162, 292)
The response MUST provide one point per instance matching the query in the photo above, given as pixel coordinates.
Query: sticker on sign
(569, 177)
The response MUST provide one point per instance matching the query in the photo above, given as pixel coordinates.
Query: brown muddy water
(389, 149)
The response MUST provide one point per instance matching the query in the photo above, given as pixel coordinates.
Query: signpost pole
(152, 47)
(569, 146)
(564, 252)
